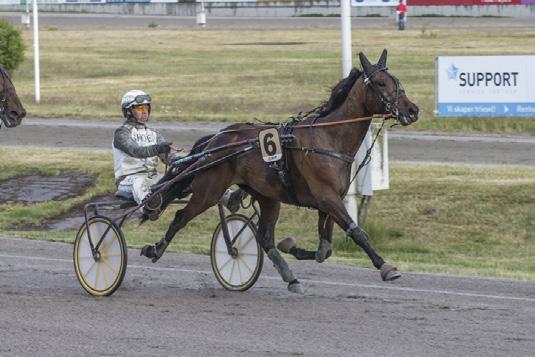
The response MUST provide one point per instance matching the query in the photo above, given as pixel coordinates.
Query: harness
(282, 165)
(197, 162)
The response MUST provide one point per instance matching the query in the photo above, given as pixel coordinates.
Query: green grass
(239, 75)
(447, 219)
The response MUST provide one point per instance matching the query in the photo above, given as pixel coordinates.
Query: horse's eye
(381, 84)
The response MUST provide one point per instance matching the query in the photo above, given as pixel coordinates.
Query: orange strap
(338, 122)
(353, 120)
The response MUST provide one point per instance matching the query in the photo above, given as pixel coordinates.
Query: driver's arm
(122, 140)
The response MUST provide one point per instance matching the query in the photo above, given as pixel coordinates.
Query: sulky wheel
(100, 274)
(240, 271)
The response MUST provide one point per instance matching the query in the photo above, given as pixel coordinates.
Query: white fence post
(36, 53)
(350, 200)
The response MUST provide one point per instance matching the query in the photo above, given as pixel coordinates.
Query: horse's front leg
(333, 204)
(206, 194)
(325, 230)
(269, 214)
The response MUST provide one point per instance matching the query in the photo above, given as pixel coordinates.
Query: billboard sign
(464, 2)
(485, 86)
(374, 2)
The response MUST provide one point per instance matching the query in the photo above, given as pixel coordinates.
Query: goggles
(140, 108)
(142, 99)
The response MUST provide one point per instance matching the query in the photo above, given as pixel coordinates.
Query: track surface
(124, 21)
(404, 145)
(176, 307)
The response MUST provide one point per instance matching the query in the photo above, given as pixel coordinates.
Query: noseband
(392, 108)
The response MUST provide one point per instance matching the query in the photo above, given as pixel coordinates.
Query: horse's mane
(339, 92)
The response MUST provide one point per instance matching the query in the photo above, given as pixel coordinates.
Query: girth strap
(345, 158)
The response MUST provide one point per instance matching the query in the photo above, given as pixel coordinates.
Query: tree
(11, 46)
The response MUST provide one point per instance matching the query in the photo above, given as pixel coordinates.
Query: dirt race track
(176, 307)
(72, 20)
(404, 145)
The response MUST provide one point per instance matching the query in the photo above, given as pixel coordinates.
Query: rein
(314, 125)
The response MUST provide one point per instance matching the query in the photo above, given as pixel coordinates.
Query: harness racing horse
(316, 172)
(11, 109)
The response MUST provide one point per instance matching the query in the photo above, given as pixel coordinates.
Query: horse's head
(11, 109)
(384, 93)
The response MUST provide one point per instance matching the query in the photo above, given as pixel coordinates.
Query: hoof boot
(389, 272)
(287, 244)
(295, 287)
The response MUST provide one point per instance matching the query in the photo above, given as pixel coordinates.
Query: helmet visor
(142, 99)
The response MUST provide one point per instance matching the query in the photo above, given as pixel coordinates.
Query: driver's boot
(152, 205)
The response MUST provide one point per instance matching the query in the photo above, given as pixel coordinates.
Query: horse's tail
(180, 188)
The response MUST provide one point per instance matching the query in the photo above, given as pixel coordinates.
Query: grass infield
(246, 74)
(439, 218)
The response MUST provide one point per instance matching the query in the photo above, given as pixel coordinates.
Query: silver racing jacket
(135, 149)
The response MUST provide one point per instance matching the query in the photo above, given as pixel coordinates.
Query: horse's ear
(366, 65)
(382, 60)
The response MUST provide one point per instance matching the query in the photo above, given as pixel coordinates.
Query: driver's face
(141, 112)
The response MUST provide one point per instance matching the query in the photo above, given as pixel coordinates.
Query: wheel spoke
(245, 244)
(105, 261)
(88, 257)
(222, 266)
(110, 255)
(88, 270)
(246, 265)
(232, 271)
(108, 242)
(96, 276)
(239, 271)
(105, 276)
(251, 254)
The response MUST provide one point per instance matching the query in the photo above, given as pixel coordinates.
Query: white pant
(139, 185)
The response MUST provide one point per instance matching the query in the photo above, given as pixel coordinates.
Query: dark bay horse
(11, 109)
(317, 167)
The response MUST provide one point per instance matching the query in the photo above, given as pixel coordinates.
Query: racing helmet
(132, 98)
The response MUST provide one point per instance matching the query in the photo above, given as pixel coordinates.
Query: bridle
(389, 106)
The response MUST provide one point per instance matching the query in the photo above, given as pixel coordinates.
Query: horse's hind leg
(325, 230)
(202, 198)
(269, 213)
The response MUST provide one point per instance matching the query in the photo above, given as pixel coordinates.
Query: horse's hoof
(149, 251)
(324, 251)
(296, 288)
(389, 272)
(286, 244)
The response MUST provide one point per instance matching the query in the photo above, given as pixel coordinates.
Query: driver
(137, 149)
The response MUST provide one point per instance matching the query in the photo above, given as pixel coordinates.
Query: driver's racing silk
(135, 149)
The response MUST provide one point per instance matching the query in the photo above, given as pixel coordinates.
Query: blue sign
(486, 109)
(485, 86)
